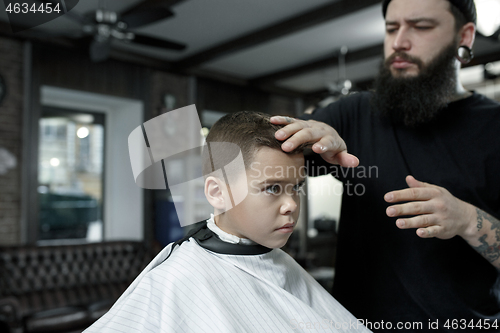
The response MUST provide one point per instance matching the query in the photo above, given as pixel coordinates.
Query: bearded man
(417, 255)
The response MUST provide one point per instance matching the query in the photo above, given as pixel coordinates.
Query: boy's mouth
(287, 228)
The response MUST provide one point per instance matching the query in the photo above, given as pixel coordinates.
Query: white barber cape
(197, 290)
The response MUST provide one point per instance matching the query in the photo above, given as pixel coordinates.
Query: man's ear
(214, 192)
(467, 34)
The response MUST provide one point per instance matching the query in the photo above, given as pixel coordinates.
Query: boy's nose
(288, 206)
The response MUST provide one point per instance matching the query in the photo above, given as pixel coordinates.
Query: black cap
(466, 7)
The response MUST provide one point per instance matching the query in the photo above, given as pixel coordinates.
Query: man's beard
(418, 99)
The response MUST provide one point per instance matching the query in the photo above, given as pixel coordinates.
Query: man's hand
(324, 138)
(438, 213)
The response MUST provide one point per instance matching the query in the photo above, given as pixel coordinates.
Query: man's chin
(414, 95)
(404, 73)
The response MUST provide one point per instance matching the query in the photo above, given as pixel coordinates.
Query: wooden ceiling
(285, 46)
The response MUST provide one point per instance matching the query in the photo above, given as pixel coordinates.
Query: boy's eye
(273, 189)
(297, 187)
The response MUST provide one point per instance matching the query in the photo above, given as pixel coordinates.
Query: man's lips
(401, 63)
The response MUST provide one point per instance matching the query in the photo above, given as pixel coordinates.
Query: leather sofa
(65, 288)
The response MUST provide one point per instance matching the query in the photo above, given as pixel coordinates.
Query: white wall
(123, 199)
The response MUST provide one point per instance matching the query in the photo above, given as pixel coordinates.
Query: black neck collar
(207, 239)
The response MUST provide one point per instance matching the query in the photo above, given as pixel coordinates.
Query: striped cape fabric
(197, 290)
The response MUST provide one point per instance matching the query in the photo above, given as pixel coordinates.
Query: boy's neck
(215, 225)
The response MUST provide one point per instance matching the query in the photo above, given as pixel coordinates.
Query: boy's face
(270, 211)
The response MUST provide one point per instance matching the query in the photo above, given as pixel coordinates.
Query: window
(70, 175)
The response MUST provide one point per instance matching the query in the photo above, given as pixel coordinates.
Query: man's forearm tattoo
(490, 252)
(480, 215)
(495, 224)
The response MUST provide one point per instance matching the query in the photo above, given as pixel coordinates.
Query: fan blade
(73, 34)
(145, 16)
(99, 49)
(147, 12)
(151, 41)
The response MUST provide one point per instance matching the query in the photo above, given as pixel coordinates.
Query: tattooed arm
(437, 213)
(487, 239)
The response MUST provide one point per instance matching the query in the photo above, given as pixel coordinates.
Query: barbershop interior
(76, 227)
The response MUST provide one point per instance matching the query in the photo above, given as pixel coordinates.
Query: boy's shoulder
(187, 263)
(201, 258)
(199, 253)
(183, 279)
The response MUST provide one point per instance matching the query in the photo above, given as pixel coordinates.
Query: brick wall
(11, 109)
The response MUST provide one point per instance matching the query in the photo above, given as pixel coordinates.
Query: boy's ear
(214, 192)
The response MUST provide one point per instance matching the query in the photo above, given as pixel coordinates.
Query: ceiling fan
(104, 26)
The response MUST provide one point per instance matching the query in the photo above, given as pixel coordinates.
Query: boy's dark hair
(249, 131)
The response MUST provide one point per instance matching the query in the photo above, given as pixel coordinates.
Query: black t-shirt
(383, 272)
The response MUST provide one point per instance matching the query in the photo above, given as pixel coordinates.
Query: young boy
(228, 274)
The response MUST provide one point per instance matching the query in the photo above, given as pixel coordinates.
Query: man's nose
(401, 41)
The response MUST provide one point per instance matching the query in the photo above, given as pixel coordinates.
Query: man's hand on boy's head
(326, 141)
